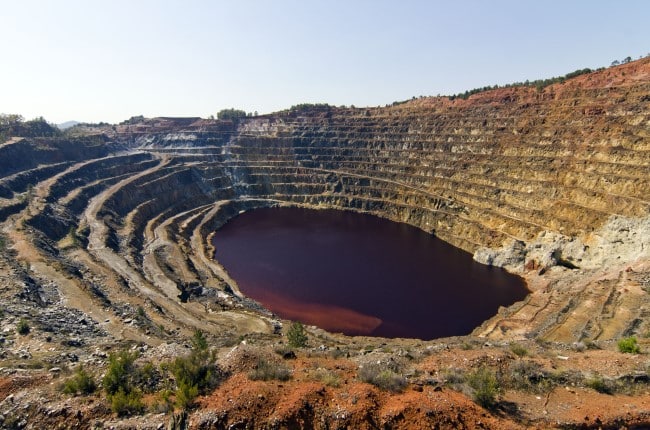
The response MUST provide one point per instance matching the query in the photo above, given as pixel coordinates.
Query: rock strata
(105, 246)
(552, 184)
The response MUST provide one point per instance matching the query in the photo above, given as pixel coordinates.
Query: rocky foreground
(105, 248)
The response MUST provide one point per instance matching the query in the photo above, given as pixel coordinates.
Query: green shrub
(454, 377)
(296, 335)
(195, 373)
(518, 350)
(285, 352)
(526, 375)
(268, 370)
(120, 384)
(163, 403)
(599, 384)
(147, 377)
(185, 394)
(629, 345)
(123, 403)
(23, 327)
(327, 377)
(382, 377)
(485, 387)
(191, 374)
(148, 370)
(121, 373)
(81, 383)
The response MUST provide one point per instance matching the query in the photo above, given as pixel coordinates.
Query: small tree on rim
(296, 335)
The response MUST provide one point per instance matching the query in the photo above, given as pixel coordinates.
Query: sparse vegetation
(382, 377)
(81, 383)
(195, 373)
(163, 403)
(518, 349)
(185, 393)
(22, 328)
(454, 378)
(485, 387)
(123, 403)
(148, 377)
(525, 375)
(72, 236)
(540, 84)
(120, 373)
(119, 384)
(120, 286)
(296, 335)
(599, 384)
(327, 377)
(141, 316)
(285, 352)
(267, 370)
(133, 120)
(140, 312)
(629, 345)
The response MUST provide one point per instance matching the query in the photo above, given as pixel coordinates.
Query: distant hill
(67, 124)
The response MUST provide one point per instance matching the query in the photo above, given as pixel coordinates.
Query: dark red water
(360, 274)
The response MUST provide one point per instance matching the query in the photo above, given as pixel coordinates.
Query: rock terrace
(551, 184)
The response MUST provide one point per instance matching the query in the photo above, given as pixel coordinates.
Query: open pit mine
(106, 259)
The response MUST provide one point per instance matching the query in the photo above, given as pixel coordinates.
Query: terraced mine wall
(523, 178)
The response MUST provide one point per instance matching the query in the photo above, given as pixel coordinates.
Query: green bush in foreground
(195, 373)
(485, 387)
(119, 384)
(121, 373)
(123, 403)
(628, 345)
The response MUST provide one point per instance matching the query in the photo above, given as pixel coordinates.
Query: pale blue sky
(108, 60)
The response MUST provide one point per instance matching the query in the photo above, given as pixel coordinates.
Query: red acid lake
(359, 274)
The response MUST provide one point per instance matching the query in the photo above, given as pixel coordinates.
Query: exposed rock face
(525, 179)
(619, 240)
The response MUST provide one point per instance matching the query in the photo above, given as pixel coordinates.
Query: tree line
(15, 125)
(540, 84)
